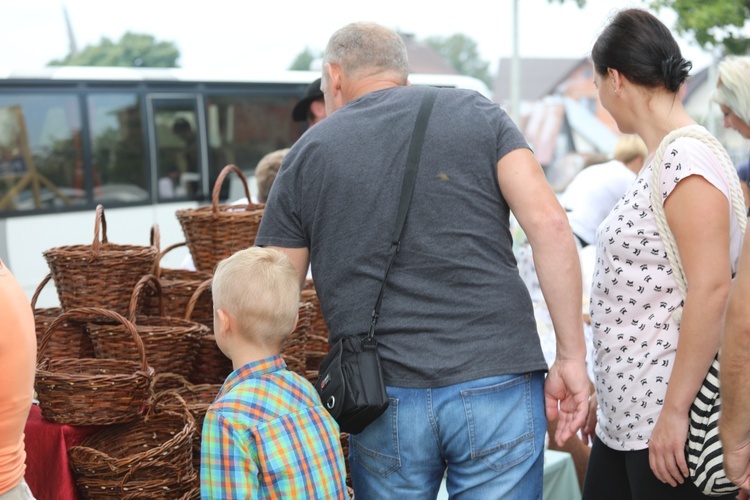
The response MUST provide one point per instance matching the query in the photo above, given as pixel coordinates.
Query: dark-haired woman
(649, 365)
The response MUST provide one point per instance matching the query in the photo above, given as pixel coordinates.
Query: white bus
(141, 142)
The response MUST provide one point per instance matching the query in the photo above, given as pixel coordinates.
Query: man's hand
(566, 392)
(737, 461)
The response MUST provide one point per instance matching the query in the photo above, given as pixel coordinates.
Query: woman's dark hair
(639, 46)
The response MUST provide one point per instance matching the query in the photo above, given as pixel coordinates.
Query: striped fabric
(268, 436)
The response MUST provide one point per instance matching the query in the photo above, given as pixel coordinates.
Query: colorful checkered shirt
(268, 436)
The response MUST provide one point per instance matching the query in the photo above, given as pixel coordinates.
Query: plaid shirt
(268, 436)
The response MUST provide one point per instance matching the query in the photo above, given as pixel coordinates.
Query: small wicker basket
(215, 232)
(101, 274)
(170, 343)
(89, 391)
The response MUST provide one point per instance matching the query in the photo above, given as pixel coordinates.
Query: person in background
(596, 189)
(311, 108)
(456, 328)
(266, 435)
(18, 361)
(732, 94)
(649, 365)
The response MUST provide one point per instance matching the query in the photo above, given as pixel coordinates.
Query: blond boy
(267, 434)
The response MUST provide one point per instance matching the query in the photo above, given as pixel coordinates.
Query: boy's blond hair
(629, 147)
(259, 287)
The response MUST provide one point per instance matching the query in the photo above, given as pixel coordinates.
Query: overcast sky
(270, 33)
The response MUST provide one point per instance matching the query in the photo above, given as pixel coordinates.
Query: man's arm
(300, 257)
(537, 210)
(734, 423)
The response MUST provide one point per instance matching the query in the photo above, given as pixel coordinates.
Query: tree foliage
(303, 60)
(132, 50)
(715, 23)
(461, 52)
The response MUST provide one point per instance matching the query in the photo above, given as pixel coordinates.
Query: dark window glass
(119, 158)
(41, 158)
(244, 128)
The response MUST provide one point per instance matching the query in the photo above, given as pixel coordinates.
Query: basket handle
(93, 311)
(155, 238)
(38, 290)
(156, 271)
(157, 464)
(220, 180)
(194, 298)
(100, 225)
(189, 419)
(168, 375)
(137, 289)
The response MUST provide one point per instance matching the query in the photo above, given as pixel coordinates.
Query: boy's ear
(226, 323)
(296, 320)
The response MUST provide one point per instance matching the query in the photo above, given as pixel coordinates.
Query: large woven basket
(89, 391)
(211, 366)
(71, 339)
(170, 343)
(101, 274)
(177, 287)
(198, 397)
(215, 232)
(150, 458)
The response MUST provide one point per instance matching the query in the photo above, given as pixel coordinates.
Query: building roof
(424, 59)
(539, 77)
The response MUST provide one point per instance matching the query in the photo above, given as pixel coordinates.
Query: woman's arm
(698, 215)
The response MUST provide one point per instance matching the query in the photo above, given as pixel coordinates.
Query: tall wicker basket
(215, 232)
(90, 391)
(101, 274)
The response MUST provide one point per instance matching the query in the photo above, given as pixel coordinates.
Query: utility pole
(515, 73)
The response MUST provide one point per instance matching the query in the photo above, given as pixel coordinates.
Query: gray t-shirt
(455, 308)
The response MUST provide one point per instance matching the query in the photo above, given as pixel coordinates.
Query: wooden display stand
(31, 175)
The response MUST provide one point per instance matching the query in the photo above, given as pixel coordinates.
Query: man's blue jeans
(488, 433)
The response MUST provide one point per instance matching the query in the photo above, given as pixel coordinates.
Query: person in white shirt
(596, 189)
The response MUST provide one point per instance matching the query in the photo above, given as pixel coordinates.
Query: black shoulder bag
(350, 380)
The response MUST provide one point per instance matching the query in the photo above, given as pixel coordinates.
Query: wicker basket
(317, 339)
(215, 232)
(101, 274)
(198, 397)
(211, 366)
(293, 350)
(71, 339)
(91, 391)
(170, 343)
(151, 458)
(177, 287)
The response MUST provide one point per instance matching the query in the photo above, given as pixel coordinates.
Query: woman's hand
(666, 448)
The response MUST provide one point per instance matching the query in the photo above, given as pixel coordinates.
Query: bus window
(177, 149)
(118, 155)
(41, 163)
(244, 128)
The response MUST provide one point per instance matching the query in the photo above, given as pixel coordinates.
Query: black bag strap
(407, 189)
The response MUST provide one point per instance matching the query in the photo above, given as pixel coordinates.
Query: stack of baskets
(150, 458)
